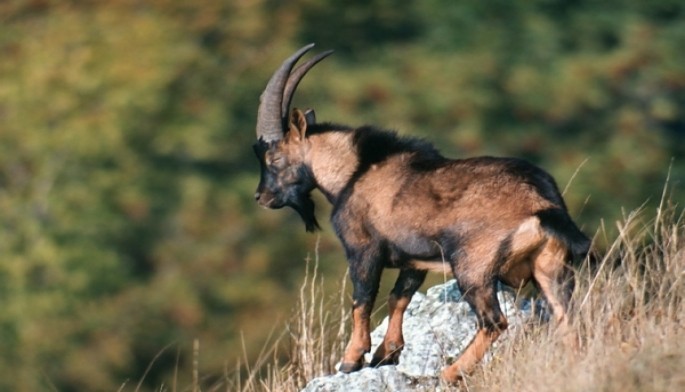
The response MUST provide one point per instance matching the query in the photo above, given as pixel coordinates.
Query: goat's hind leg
(554, 277)
(388, 352)
(491, 323)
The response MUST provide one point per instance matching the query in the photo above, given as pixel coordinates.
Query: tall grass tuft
(313, 341)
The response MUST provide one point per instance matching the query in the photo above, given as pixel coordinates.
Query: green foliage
(126, 173)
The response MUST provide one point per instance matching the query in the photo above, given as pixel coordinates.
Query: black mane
(319, 128)
(375, 146)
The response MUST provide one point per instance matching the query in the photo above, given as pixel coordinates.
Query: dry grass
(314, 340)
(629, 316)
(628, 312)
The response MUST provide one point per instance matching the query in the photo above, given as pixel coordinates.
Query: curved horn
(295, 78)
(270, 122)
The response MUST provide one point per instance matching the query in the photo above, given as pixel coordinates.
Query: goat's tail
(557, 223)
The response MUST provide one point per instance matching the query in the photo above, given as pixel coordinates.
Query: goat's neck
(332, 159)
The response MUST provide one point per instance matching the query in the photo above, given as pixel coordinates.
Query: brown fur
(409, 208)
(398, 203)
(389, 351)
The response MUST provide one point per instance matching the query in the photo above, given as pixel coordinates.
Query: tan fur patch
(528, 237)
(525, 242)
(441, 267)
(332, 159)
(470, 357)
(360, 341)
(547, 268)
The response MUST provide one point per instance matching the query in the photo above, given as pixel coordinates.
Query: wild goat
(398, 203)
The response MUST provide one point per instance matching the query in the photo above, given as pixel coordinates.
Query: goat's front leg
(388, 352)
(365, 275)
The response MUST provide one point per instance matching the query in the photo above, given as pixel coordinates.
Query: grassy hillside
(629, 317)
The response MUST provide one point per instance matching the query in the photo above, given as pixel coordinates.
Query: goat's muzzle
(267, 200)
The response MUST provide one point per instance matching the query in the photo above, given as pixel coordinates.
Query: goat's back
(405, 190)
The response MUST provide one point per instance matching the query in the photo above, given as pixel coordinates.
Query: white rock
(437, 326)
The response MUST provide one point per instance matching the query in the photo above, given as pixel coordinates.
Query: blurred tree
(358, 26)
(126, 173)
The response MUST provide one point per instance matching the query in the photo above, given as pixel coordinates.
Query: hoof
(387, 354)
(392, 359)
(349, 367)
(451, 376)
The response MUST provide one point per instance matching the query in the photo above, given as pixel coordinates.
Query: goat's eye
(278, 162)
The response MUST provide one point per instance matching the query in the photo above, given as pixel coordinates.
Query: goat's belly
(439, 266)
(417, 247)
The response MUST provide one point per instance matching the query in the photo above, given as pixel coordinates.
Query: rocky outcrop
(437, 327)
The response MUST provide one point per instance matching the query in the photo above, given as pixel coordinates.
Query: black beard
(305, 207)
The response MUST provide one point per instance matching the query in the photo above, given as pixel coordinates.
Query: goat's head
(285, 179)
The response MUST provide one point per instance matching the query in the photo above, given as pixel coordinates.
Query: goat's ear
(310, 116)
(298, 125)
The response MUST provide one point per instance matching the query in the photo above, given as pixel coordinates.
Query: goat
(398, 203)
